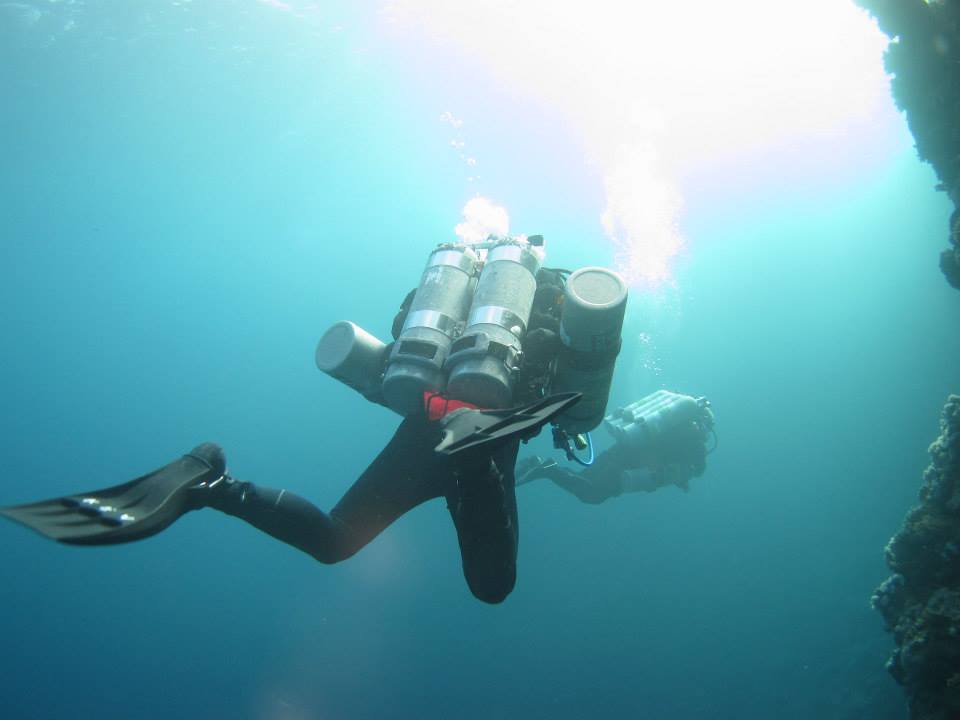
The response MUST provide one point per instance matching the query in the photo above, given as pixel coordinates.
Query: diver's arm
(591, 490)
(588, 486)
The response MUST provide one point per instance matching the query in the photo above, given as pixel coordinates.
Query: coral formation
(924, 60)
(920, 602)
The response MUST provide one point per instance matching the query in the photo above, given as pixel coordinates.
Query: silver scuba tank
(353, 356)
(436, 316)
(482, 362)
(642, 422)
(591, 322)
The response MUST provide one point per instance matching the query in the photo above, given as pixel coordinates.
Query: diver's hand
(528, 469)
(525, 465)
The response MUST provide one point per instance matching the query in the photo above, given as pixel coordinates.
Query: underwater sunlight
(660, 91)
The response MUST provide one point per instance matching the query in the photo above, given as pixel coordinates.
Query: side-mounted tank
(591, 324)
(353, 356)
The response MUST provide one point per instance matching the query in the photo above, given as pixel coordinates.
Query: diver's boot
(232, 496)
(273, 510)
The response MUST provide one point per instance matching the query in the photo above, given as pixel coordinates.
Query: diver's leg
(282, 514)
(482, 501)
(400, 478)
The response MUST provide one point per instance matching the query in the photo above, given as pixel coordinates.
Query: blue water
(190, 194)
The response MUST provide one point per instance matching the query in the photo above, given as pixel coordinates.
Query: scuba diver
(488, 349)
(659, 440)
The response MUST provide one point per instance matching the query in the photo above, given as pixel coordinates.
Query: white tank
(437, 315)
(353, 356)
(482, 361)
(643, 421)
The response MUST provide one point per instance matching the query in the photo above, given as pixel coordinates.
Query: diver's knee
(493, 593)
(492, 596)
(331, 555)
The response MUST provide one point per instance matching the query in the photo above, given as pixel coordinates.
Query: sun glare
(655, 88)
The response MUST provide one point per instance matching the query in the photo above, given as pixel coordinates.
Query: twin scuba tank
(644, 423)
(463, 334)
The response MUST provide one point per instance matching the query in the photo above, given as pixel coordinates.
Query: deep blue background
(191, 194)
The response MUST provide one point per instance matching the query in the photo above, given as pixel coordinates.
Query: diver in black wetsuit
(459, 331)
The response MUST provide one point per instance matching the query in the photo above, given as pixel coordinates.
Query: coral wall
(920, 602)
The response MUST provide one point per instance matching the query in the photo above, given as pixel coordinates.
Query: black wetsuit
(478, 487)
(476, 477)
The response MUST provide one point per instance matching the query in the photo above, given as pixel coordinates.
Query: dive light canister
(436, 316)
(642, 422)
(591, 323)
(353, 356)
(483, 361)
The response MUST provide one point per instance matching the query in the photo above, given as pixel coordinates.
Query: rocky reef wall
(924, 61)
(920, 602)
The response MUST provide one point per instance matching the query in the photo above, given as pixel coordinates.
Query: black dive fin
(464, 429)
(131, 511)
